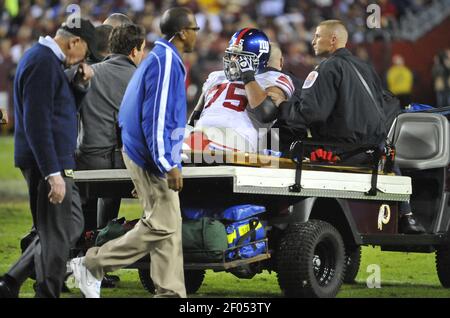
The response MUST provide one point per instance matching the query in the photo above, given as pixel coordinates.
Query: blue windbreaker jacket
(153, 111)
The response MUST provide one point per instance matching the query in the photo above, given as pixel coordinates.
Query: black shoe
(108, 282)
(409, 225)
(6, 291)
(65, 289)
(114, 278)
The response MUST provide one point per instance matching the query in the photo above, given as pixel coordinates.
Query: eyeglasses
(196, 29)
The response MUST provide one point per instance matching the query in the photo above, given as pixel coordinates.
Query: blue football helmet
(250, 42)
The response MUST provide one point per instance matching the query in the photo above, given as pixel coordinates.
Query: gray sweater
(100, 106)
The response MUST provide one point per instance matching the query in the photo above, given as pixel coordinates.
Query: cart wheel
(193, 280)
(352, 262)
(311, 260)
(443, 265)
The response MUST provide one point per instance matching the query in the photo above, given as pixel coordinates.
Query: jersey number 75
(234, 100)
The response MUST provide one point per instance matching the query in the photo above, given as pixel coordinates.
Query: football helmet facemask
(252, 44)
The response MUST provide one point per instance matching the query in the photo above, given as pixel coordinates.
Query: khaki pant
(158, 232)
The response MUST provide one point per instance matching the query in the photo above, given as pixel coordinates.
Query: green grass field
(402, 274)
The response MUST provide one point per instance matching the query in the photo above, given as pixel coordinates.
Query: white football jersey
(225, 104)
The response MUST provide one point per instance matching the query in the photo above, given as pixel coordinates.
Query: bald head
(336, 28)
(173, 20)
(117, 19)
(178, 26)
(330, 35)
(276, 57)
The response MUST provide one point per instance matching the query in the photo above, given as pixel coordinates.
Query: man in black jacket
(335, 105)
(332, 103)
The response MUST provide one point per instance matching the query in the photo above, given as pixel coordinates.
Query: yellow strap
(231, 237)
(243, 229)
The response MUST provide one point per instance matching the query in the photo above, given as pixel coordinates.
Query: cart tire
(193, 280)
(311, 260)
(443, 265)
(352, 262)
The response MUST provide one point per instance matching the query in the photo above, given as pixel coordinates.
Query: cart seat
(421, 141)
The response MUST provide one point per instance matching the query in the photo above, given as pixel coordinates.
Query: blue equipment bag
(244, 229)
(194, 213)
(244, 233)
(241, 212)
(416, 107)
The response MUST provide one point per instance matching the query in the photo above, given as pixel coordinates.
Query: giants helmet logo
(264, 47)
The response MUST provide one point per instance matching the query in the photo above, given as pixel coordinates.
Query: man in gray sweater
(98, 139)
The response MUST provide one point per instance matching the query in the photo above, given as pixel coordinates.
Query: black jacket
(334, 104)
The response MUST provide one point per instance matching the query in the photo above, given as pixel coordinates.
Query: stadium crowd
(289, 22)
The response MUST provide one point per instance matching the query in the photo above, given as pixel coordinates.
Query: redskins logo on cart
(384, 215)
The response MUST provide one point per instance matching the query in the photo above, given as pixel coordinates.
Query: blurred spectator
(288, 22)
(441, 78)
(3, 117)
(7, 70)
(23, 42)
(298, 60)
(400, 80)
(208, 15)
(102, 32)
(388, 14)
(271, 8)
(136, 5)
(362, 53)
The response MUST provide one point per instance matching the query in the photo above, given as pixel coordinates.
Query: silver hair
(64, 34)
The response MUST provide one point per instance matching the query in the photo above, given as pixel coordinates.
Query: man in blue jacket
(45, 140)
(152, 117)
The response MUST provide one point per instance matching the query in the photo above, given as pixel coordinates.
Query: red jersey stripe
(285, 85)
(284, 79)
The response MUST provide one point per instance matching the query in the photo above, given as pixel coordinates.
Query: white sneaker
(88, 284)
